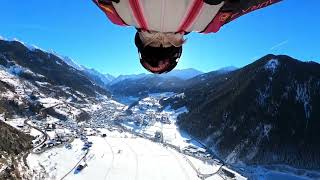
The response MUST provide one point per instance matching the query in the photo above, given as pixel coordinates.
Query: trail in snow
(111, 166)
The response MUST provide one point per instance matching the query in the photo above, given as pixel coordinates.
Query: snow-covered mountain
(68, 60)
(176, 80)
(127, 77)
(182, 73)
(264, 113)
(39, 86)
(98, 78)
(101, 79)
(32, 79)
(109, 77)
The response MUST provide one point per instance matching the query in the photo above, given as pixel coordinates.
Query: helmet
(158, 60)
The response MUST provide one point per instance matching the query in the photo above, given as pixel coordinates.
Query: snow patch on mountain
(263, 95)
(58, 63)
(182, 110)
(8, 78)
(49, 102)
(17, 70)
(181, 95)
(272, 65)
(303, 96)
(266, 129)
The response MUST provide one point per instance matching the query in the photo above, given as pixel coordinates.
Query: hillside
(44, 67)
(12, 140)
(40, 84)
(264, 113)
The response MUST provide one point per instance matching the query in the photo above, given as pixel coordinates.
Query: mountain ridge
(263, 113)
(54, 69)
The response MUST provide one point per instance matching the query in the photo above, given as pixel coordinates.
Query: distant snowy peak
(32, 47)
(127, 77)
(94, 76)
(21, 60)
(104, 79)
(109, 77)
(227, 69)
(183, 73)
(68, 60)
(28, 46)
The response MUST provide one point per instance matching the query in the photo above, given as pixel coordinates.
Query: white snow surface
(16, 122)
(117, 158)
(8, 78)
(272, 65)
(49, 102)
(303, 96)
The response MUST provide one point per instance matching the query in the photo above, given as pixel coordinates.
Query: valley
(60, 120)
(121, 144)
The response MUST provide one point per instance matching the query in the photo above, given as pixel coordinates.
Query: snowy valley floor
(117, 158)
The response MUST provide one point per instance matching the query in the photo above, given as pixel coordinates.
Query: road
(111, 166)
(46, 136)
(135, 157)
(84, 156)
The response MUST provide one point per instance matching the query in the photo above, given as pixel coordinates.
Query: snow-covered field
(117, 158)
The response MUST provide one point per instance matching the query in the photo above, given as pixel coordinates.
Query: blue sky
(78, 29)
